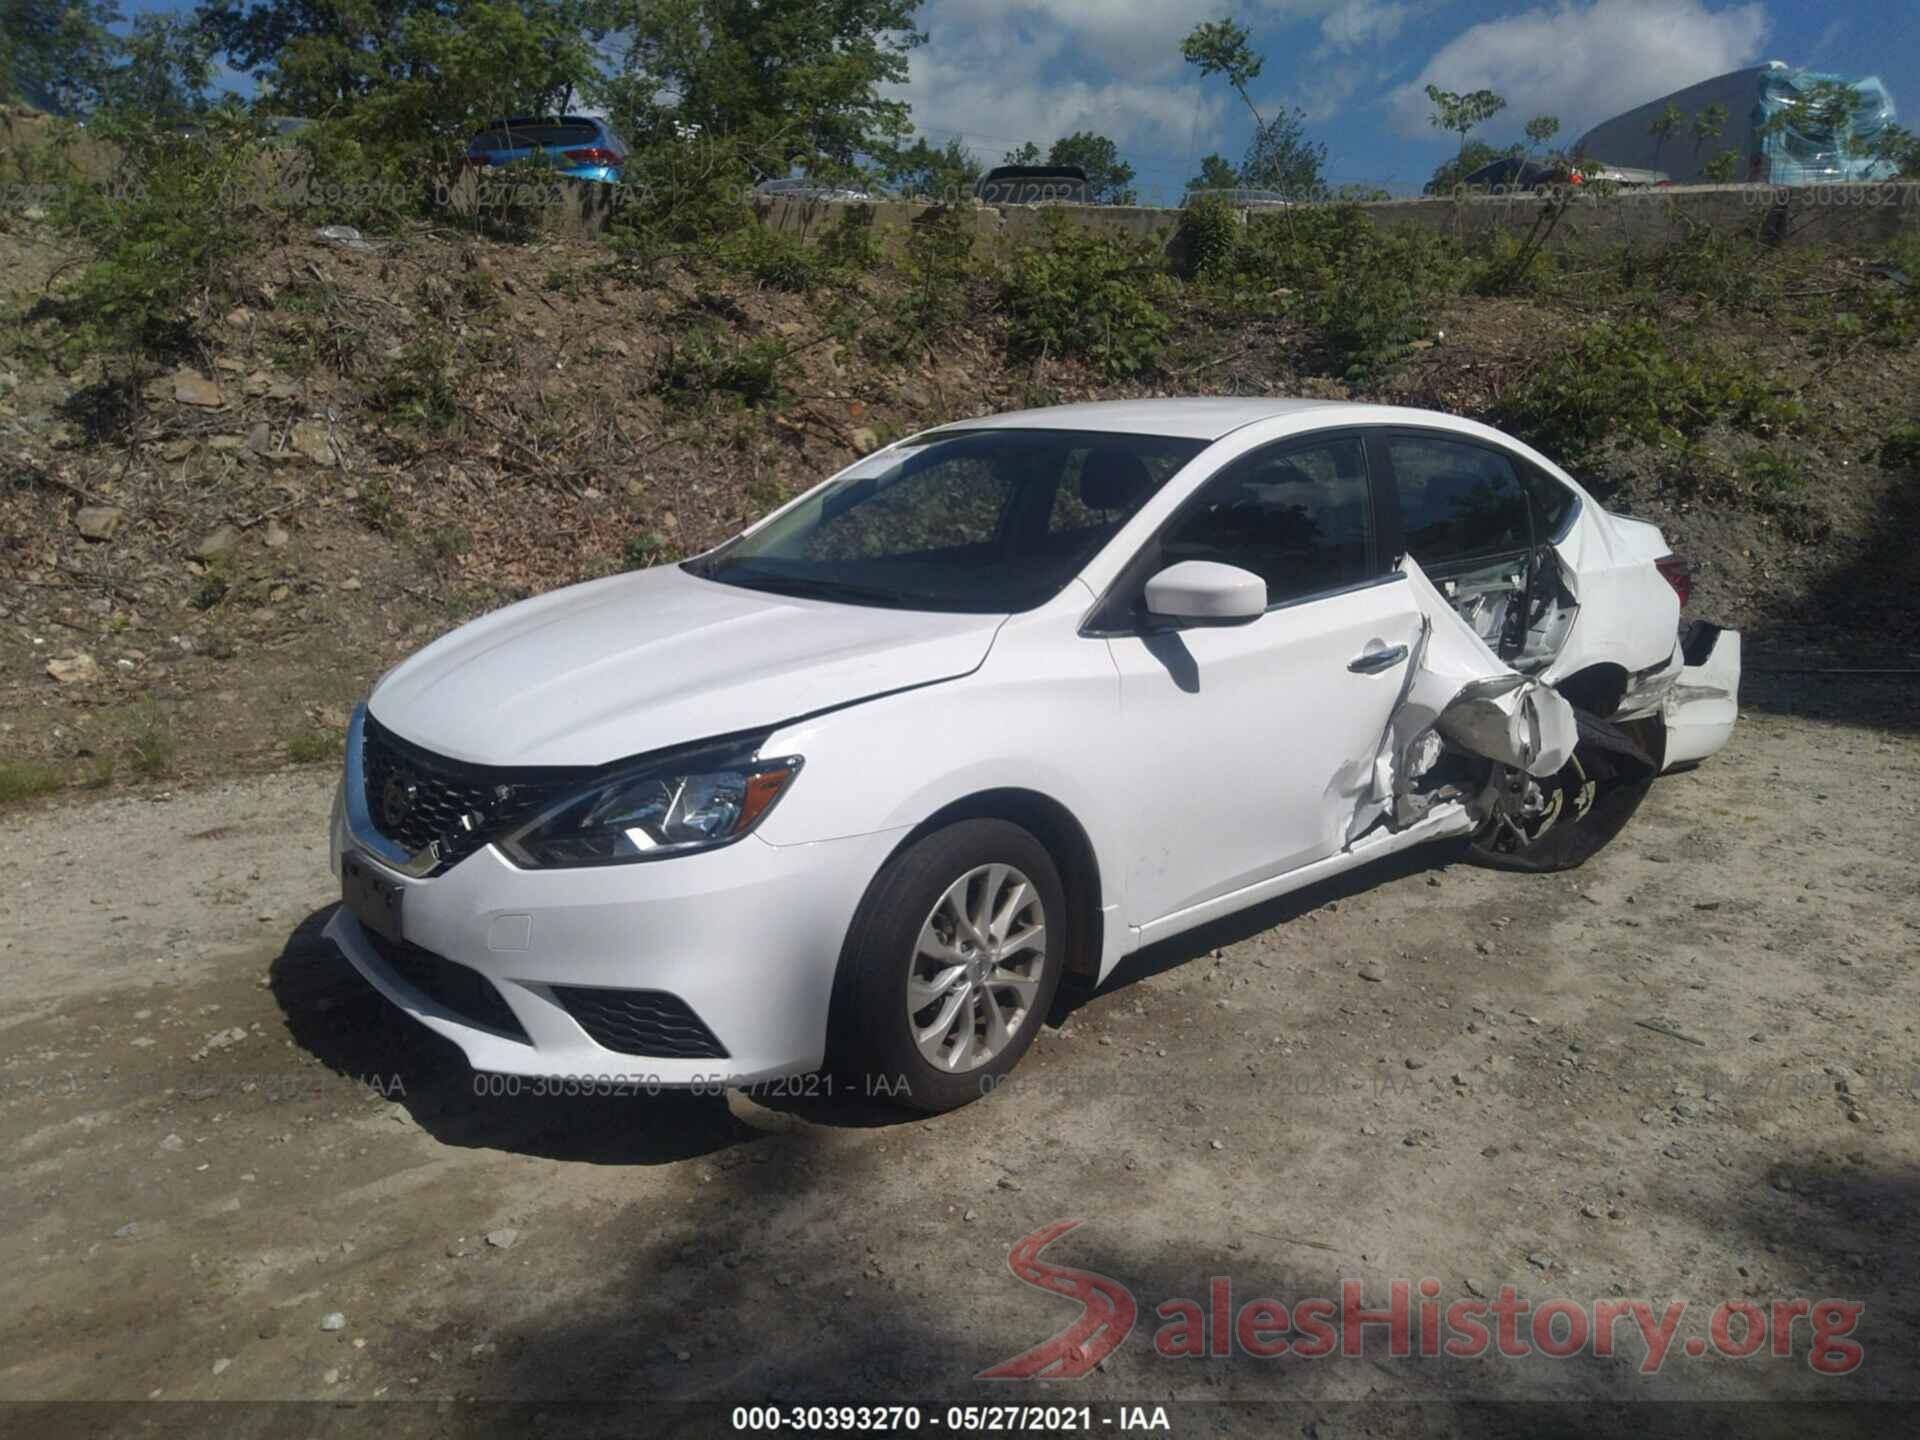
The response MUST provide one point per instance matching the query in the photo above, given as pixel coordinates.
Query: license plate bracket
(373, 899)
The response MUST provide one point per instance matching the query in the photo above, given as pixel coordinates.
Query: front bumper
(748, 937)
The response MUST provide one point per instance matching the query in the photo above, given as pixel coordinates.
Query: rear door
(1251, 745)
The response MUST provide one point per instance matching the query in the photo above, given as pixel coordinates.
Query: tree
(1662, 126)
(1540, 129)
(1452, 173)
(1109, 178)
(1453, 111)
(947, 174)
(1281, 158)
(456, 74)
(1221, 47)
(165, 67)
(323, 58)
(1709, 124)
(56, 56)
(1027, 154)
(1215, 174)
(800, 80)
(1899, 148)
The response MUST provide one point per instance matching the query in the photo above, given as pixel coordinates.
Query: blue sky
(996, 69)
(998, 72)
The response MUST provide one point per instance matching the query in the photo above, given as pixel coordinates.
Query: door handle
(1372, 662)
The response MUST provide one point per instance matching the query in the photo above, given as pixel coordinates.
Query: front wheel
(951, 965)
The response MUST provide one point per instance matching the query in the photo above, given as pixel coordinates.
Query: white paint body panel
(1210, 768)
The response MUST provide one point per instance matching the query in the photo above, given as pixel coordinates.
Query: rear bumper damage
(1704, 701)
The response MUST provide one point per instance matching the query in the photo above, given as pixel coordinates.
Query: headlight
(669, 805)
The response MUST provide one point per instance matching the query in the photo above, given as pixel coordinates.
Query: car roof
(1195, 419)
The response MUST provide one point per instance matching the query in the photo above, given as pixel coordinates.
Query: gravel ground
(1687, 1070)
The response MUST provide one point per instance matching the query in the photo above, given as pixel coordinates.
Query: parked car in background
(580, 147)
(1517, 173)
(1015, 696)
(1034, 185)
(802, 188)
(1238, 197)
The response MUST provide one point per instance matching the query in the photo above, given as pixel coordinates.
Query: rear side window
(1553, 504)
(525, 137)
(1458, 502)
(1297, 518)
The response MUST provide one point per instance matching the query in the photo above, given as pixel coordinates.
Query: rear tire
(950, 966)
(1576, 811)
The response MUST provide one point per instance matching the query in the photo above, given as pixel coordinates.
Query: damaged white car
(1010, 698)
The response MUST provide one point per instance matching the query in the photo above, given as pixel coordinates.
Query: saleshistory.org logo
(1468, 1328)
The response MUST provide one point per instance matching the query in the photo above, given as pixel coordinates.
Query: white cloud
(1585, 63)
(1005, 99)
(1362, 22)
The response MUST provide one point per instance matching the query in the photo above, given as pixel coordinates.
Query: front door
(1254, 743)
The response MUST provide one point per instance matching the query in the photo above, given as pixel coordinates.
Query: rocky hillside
(208, 555)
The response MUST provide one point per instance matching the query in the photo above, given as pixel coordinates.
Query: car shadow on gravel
(794, 1276)
(335, 1015)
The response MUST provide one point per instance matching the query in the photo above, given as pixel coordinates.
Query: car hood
(642, 661)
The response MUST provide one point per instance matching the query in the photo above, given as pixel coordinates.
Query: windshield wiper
(809, 586)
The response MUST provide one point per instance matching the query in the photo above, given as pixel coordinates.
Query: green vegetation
(1080, 293)
(154, 748)
(162, 244)
(704, 364)
(1638, 381)
(314, 747)
(25, 779)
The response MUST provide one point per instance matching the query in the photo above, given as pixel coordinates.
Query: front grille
(467, 993)
(648, 1023)
(416, 798)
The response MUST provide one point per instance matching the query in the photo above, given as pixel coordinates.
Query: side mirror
(1205, 592)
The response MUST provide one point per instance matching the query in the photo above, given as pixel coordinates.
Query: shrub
(703, 364)
(24, 779)
(417, 384)
(849, 243)
(939, 271)
(1901, 450)
(1089, 295)
(1630, 380)
(775, 260)
(1208, 236)
(153, 744)
(314, 747)
(1367, 293)
(164, 233)
(644, 550)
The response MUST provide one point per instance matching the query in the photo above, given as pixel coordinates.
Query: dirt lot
(202, 1166)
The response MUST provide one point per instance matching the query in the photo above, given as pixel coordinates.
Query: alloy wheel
(976, 968)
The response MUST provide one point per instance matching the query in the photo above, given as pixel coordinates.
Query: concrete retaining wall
(1854, 213)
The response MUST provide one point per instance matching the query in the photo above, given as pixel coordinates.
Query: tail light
(1679, 575)
(593, 155)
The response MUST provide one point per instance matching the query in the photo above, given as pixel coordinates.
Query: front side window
(1458, 502)
(985, 520)
(1298, 518)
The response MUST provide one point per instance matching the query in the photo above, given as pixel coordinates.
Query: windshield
(986, 521)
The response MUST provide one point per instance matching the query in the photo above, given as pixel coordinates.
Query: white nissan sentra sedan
(1013, 697)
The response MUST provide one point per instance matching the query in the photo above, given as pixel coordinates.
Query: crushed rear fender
(1459, 695)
